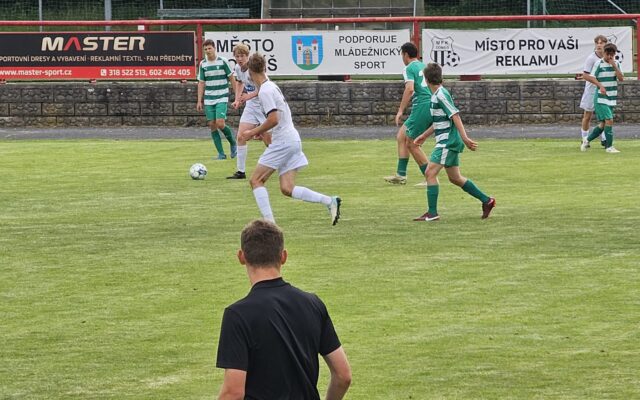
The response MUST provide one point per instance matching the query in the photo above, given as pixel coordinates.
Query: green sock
(432, 199)
(423, 168)
(595, 133)
(228, 133)
(402, 166)
(217, 142)
(608, 134)
(473, 190)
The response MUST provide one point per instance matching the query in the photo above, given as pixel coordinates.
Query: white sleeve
(589, 62)
(268, 99)
(404, 75)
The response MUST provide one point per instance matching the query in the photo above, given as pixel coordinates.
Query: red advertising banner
(97, 55)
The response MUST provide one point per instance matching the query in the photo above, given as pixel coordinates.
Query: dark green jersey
(413, 73)
(446, 133)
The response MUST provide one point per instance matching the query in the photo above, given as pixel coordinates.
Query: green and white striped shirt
(442, 109)
(216, 76)
(606, 74)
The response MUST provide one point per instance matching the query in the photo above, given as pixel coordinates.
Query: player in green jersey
(214, 76)
(451, 138)
(605, 75)
(419, 119)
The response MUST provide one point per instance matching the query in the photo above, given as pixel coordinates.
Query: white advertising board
(521, 51)
(320, 52)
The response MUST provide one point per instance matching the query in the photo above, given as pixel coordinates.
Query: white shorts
(586, 103)
(284, 157)
(252, 113)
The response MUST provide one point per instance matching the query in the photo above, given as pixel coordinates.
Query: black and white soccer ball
(453, 59)
(619, 56)
(198, 171)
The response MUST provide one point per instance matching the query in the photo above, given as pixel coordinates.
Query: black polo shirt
(276, 334)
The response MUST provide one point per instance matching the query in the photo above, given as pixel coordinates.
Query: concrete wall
(312, 103)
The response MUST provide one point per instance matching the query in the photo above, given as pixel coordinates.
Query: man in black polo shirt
(270, 340)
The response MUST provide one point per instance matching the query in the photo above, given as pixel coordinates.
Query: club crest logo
(619, 54)
(442, 52)
(306, 51)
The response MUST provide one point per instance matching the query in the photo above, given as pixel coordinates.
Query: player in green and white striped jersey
(451, 138)
(214, 76)
(605, 75)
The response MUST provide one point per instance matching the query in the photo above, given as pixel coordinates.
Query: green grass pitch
(115, 268)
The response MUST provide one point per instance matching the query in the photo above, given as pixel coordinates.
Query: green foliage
(116, 267)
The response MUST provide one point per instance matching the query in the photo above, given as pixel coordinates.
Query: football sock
(594, 133)
(608, 133)
(585, 134)
(242, 158)
(229, 135)
(305, 194)
(262, 198)
(217, 141)
(402, 166)
(603, 136)
(473, 190)
(423, 168)
(432, 199)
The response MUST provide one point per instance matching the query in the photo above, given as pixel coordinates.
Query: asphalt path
(538, 131)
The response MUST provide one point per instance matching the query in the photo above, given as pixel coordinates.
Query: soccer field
(115, 268)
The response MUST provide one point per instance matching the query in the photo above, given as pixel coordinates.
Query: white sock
(241, 161)
(262, 198)
(585, 134)
(305, 194)
(603, 137)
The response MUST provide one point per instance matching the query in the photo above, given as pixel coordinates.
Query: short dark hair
(433, 73)
(410, 49)
(262, 243)
(257, 63)
(208, 42)
(610, 48)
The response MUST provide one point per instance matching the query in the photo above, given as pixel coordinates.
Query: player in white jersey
(284, 154)
(586, 103)
(245, 93)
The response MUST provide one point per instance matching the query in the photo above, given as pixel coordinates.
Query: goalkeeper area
(116, 268)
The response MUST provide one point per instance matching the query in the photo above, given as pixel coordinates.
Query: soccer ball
(197, 171)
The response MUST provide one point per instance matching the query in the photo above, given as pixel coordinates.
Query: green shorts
(444, 156)
(419, 120)
(216, 111)
(603, 112)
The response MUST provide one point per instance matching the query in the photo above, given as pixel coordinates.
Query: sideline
(538, 131)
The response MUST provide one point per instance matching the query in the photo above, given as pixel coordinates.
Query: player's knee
(219, 124)
(457, 180)
(286, 190)
(255, 182)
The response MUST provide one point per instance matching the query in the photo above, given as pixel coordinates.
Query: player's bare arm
(424, 135)
(200, 95)
(271, 122)
(457, 121)
(238, 87)
(614, 64)
(406, 98)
